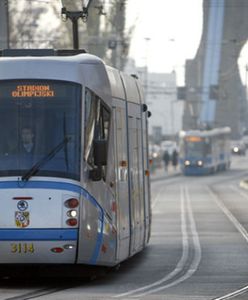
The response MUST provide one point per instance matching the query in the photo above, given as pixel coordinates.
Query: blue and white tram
(204, 151)
(79, 193)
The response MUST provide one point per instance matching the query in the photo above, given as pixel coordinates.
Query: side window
(91, 116)
(207, 146)
(97, 122)
(104, 121)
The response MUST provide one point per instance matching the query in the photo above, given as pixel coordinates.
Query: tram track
(191, 250)
(188, 261)
(37, 293)
(240, 228)
(190, 258)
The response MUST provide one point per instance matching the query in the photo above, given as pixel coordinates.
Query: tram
(204, 151)
(74, 171)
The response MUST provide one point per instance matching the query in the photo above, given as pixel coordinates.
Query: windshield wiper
(34, 169)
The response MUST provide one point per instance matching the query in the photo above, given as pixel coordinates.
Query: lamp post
(147, 40)
(74, 16)
(246, 70)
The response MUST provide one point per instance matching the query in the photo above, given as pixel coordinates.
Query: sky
(167, 32)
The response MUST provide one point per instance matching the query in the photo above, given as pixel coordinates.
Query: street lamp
(74, 16)
(147, 39)
(246, 70)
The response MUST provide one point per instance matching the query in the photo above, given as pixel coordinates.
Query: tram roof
(125, 87)
(63, 65)
(85, 69)
(206, 133)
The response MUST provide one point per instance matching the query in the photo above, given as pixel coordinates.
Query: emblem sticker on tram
(22, 219)
(22, 205)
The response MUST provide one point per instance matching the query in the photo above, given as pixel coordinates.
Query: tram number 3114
(22, 248)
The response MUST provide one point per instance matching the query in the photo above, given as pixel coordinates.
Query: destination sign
(28, 91)
(193, 139)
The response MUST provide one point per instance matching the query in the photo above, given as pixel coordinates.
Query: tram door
(146, 179)
(135, 177)
(122, 191)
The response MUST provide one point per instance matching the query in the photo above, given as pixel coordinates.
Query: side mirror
(144, 107)
(96, 174)
(100, 152)
(100, 159)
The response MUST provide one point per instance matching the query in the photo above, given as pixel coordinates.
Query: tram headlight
(155, 155)
(187, 163)
(72, 213)
(69, 246)
(236, 149)
(200, 163)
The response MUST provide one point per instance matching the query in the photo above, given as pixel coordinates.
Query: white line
(233, 294)
(180, 264)
(197, 254)
(196, 240)
(243, 232)
(243, 194)
(154, 202)
(230, 216)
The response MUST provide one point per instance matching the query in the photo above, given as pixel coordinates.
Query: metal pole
(75, 33)
(7, 18)
(246, 70)
(74, 16)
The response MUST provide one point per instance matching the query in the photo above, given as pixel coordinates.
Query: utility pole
(4, 24)
(246, 70)
(147, 39)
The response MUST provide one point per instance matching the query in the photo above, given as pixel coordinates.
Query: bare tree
(37, 24)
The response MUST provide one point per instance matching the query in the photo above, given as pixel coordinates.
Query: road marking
(156, 286)
(197, 252)
(242, 193)
(243, 232)
(230, 216)
(233, 294)
(154, 202)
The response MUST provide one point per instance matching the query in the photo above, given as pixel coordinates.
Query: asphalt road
(198, 249)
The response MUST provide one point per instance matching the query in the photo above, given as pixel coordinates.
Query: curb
(244, 184)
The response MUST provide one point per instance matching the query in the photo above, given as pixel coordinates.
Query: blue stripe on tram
(38, 234)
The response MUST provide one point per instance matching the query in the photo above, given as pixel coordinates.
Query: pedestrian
(166, 159)
(174, 158)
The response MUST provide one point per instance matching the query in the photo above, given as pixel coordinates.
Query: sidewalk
(160, 173)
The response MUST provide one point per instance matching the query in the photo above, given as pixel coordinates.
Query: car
(238, 147)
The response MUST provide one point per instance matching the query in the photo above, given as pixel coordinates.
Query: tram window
(207, 147)
(104, 123)
(91, 105)
(97, 120)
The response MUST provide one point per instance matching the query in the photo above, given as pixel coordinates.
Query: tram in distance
(74, 178)
(204, 151)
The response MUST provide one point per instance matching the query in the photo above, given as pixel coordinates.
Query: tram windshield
(197, 148)
(40, 128)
